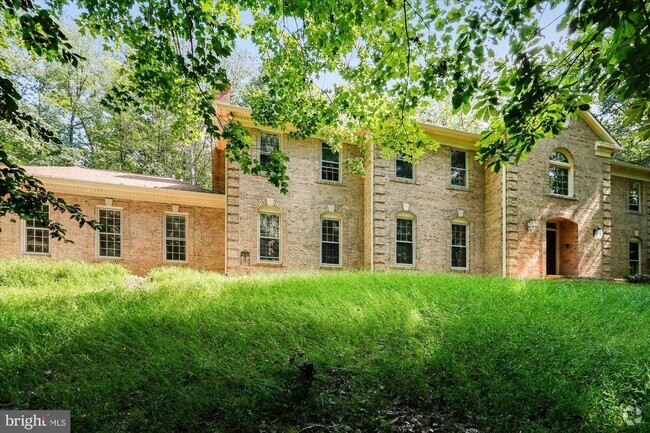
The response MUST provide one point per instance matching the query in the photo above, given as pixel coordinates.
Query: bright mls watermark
(41, 421)
(633, 415)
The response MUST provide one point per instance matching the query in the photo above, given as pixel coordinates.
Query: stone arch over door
(561, 247)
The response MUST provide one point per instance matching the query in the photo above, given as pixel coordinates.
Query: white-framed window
(458, 168)
(36, 235)
(403, 168)
(404, 241)
(268, 143)
(109, 236)
(560, 173)
(459, 246)
(635, 256)
(175, 237)
(330, 246)
(269, 237)
(634, 196)
(330, 164)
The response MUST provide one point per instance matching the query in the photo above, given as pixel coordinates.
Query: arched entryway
(561, 247)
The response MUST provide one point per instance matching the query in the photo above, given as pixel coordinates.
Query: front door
(551, 252)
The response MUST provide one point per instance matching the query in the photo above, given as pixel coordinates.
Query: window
(634, 196)
(560, 172)
(269, 237)
(635, 257)
(458, 168)
(268, 143)
(330, 249)
(404, 242)
(459, 246)
(110, 234)
(37, 234)
(403, 168)
(175, 238)
(330, 166)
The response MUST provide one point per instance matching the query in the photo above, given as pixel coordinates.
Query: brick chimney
(219, 148)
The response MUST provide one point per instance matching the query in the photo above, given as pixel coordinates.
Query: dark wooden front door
(551, 252)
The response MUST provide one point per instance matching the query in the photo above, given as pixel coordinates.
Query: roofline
(133, 193)
(455, 138)
(446, 136)
(599, 129)
(630, 171)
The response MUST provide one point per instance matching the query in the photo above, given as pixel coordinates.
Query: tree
(612, 115)
(388, 58)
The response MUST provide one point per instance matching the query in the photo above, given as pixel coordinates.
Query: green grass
(187, 351)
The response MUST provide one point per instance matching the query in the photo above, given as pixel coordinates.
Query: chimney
(219, 149)
(219, 166)
(223, 97)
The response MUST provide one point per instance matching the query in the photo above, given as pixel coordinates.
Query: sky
(548, 21)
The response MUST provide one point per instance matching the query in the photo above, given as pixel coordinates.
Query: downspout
(372, 207)
(504, 248)
(225, 220)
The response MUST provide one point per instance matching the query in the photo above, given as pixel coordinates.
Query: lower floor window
(37, 234)
(110, 233)
(330, 242)
(175, 238)
(459, 246)
(404, 242)
(269, 237)
(635, 258)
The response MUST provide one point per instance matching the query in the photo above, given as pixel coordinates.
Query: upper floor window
(458, 168)
(330, 242)
(330, 164)
(268, 143)
(175, 238)
(635, 257)
(269, 237)
(109, 235)
(37, 234)
(404, 242)
(560, 172)
(403, 168)
(634, 196)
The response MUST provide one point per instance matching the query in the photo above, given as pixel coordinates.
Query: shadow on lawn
(439, 360)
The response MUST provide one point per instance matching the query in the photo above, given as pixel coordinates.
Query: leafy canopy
(382, 62)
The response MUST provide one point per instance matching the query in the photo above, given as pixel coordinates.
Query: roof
(112, 178)
(454, 137)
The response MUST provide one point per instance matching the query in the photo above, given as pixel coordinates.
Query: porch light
(531, 225)
(598, 233)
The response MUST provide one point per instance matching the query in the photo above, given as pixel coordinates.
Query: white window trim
(320, 167)
(258, 141)
(259, 259)
(164, 233)
(23, 246)
(466, 225)
(97, 233)
(414, 227)
(629, 189)
(640, 261)
(568, 165)
(330, 265)
(400, 178)
(461, 187)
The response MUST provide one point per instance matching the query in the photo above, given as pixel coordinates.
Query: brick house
(569, 209)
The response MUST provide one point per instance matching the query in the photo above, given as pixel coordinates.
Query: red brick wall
(142, 235)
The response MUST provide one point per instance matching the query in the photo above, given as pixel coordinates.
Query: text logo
(37, 421)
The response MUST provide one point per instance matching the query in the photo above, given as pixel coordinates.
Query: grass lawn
(185, 351)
